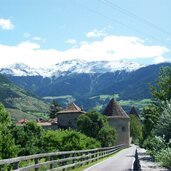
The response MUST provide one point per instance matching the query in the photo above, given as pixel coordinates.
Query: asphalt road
(122, 161)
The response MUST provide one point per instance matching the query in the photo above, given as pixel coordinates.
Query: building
(67, 118)
(119, 120)
(133, 112)
(22, 121)
(51, 124)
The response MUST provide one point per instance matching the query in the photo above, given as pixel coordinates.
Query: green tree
(54, 108)
(161, 92)
(5, 119)
(67, 140)
(29, 138)
(163, 127)
(107, 136)
(94, 124)
(8, 148)
(135, 128)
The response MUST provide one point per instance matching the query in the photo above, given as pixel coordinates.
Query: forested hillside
(19, 102)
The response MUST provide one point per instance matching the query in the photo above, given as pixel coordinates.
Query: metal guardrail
(59, 160)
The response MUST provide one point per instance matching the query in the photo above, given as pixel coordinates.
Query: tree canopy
(95, 125)
(8, 148)
(54, 108)
(135, 128)
(163, 127)
(161, 92)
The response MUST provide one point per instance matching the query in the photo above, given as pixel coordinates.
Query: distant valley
(89, 84)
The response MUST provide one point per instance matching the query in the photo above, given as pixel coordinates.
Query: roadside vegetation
(31, 138)
(95, 125)
(156, 131)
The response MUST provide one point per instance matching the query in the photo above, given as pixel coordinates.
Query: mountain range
(89, 84)
(69, 67)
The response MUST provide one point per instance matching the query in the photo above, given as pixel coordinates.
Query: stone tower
(119, 120)
(134, 112)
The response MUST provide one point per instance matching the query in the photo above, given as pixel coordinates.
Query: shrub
(135, 129)
(67, 140)
(163, 127)
(29, 138)
(164, 157)
(95, 125)
(107, 136)
(154, 144)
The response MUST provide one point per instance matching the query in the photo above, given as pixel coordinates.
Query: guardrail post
(63, 163)
(36, 161)
(73, 155)
(15, 165)
(87, 156)
(51, 165)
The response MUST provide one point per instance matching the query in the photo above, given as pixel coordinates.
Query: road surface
(122, 161)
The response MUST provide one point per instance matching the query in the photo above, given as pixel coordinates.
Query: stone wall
(122, 126)
(68, 120)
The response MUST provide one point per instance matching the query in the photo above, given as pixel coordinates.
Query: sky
(41, 33)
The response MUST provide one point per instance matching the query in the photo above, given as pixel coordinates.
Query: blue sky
(44, 32)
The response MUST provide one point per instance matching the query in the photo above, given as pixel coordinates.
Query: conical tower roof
(115, 110)
(133, 111)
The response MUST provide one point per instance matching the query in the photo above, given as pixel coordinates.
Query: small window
(123, 129)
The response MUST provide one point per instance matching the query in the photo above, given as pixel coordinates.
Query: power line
(134, 16)
(116, 21)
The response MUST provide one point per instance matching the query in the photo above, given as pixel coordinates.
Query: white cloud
(28, 45)
(112, 48)
(96, 33)
(71, 41)
(6, 24)
(160, 59)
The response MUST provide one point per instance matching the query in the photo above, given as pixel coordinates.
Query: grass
(137, 103)
(98, 107)
(57, 97)
(63, 100)
(18, 114)
(104, 97)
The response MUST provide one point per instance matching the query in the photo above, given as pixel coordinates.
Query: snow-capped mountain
(19, 69)
(69, 67)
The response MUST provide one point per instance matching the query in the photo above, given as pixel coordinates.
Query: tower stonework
(119, 120)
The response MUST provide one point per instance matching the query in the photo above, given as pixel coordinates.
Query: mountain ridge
(70, 67)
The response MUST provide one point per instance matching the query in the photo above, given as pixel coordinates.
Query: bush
(8, 148)
(95, 125)
(154, 144)
(164, 157)
(107, 136)
(135, 129)
(67, 140)
(163, 127)
(29, 138)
